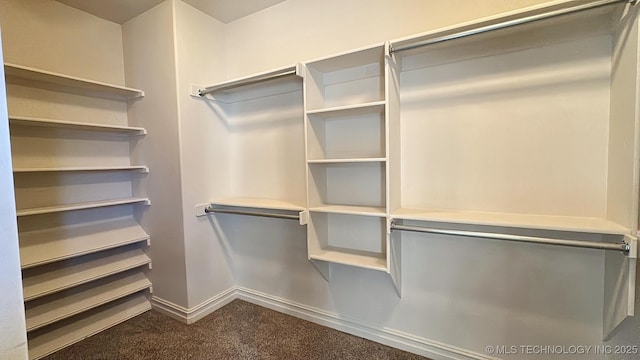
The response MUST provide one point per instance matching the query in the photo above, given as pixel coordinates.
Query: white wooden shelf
(65, 83)
(540, 222)
(363, 259)
(351, 210)
(135, 168)
(349, 110)
(63, 124)
(81, 271)
(87, 324)
(346, 160)
(258, 203)
(85, 298)
(51, 245)
(80, 206)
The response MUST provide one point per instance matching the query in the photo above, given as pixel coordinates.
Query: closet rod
(624, 247)
(210, 210)
(439, 38)
(249, 81)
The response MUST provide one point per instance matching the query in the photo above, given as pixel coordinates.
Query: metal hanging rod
(249, 80)
(211, 209)
(439, 37)
(624, 247)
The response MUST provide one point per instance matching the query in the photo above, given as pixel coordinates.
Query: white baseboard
(189, 316)
(394, 338)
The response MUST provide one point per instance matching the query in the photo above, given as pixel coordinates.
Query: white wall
(51, 36)
(203, 155)
(150, 64)
(13, 333)
(301, 30)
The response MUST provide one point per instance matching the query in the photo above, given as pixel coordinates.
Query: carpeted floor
(239, 330)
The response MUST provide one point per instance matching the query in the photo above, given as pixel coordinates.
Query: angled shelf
(73, 125)
(268, 83)
(258, 203)
(524, 221)
(81, 206)
(133, 168)
(59, 277)
(83, 298)
(70, 84)
(87, 324)
(55, 244)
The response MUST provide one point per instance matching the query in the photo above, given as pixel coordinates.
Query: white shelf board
(258, 203)
(80, 206)
(363, 259)
(351, 210)
(65, 83)
(87, 325)
(63, 124)
(346, 160)
(142, 169)
(525, 221)
(88, 297)
(239, 84)
(349, 110)
(64, 277)
(51, 245)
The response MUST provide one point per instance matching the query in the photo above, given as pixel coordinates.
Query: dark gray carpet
(239, 330)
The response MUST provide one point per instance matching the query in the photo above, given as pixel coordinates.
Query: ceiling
(120, 11)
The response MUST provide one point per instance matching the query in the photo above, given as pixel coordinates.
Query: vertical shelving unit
(347, 127)
(82, 250)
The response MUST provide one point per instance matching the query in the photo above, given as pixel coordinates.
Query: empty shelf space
(133, 168)
(51, 245)
(61, 276)
(39, 122)
(85, 325)
(524, 221)
(65, 83)
(47, 311)
(81, 206)
(349, 110)
(351, 210)
(258, 203)
(363, 259)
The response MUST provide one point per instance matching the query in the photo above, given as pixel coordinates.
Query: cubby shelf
(59, 277)
(134, 168)
(73, 125)
(349, 110)
(87, 324)
(65, 83)
(524, 221)
(351, 210)
(363, 259)
(81, 206)
(84, 298)
(346, 160)
(51, 245)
